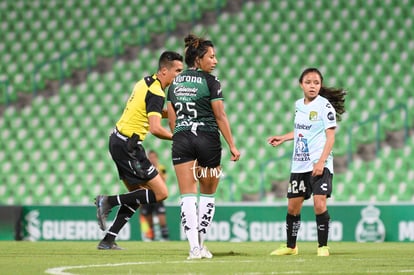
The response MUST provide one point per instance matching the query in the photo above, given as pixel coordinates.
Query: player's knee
(319, 204)
(319, 210)
(293, 211)
(161, 195)
(294, 206)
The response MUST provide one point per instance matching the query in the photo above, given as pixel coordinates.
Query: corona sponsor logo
(188, 78)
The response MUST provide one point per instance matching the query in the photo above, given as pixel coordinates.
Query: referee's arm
(156, 128)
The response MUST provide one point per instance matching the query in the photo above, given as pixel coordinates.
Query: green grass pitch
(68, 258)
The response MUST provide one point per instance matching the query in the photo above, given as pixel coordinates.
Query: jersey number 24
(295, 187)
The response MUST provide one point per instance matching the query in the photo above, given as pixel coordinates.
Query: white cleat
(205, 253)
(194, 254)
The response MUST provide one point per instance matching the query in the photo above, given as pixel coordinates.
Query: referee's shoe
(106, 245)
(102, 211)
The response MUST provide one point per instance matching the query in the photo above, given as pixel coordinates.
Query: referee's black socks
(125, 212)
(141, 196)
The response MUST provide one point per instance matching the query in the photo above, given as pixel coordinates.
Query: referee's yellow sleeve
(155, 114)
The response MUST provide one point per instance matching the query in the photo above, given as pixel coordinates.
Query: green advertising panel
(233, 222)
(363, 223)
(58, 223)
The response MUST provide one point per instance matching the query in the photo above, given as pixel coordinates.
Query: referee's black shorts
(205, 147)
(134, 167)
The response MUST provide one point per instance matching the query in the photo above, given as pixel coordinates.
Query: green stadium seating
(259, 64)
(38, 31)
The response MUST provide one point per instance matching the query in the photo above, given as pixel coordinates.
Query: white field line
(62, 270)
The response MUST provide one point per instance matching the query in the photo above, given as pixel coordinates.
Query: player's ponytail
(336, 96)
(192, 40)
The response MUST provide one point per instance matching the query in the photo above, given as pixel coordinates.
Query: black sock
(164, 232)
(125, 212)
(142, 196)
(292, 228)
(322, 223)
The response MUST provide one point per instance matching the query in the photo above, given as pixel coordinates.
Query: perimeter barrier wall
(232, 222)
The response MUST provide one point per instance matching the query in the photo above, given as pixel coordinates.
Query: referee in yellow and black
(142, 114)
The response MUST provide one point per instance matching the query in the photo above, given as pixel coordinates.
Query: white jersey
(311, 121)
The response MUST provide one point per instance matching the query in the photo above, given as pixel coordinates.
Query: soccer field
(66, 258)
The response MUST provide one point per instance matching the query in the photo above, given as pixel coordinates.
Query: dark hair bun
(192, 40)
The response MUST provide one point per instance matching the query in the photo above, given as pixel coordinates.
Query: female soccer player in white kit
(312, 162)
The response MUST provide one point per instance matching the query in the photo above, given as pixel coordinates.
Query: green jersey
(191, 94)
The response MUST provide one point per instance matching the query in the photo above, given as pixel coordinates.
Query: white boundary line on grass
(62, 269)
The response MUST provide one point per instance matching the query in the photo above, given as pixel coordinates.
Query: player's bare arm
(224, 126)
(171, 116)
(330, 140)
(277, 140)
(157, 129)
